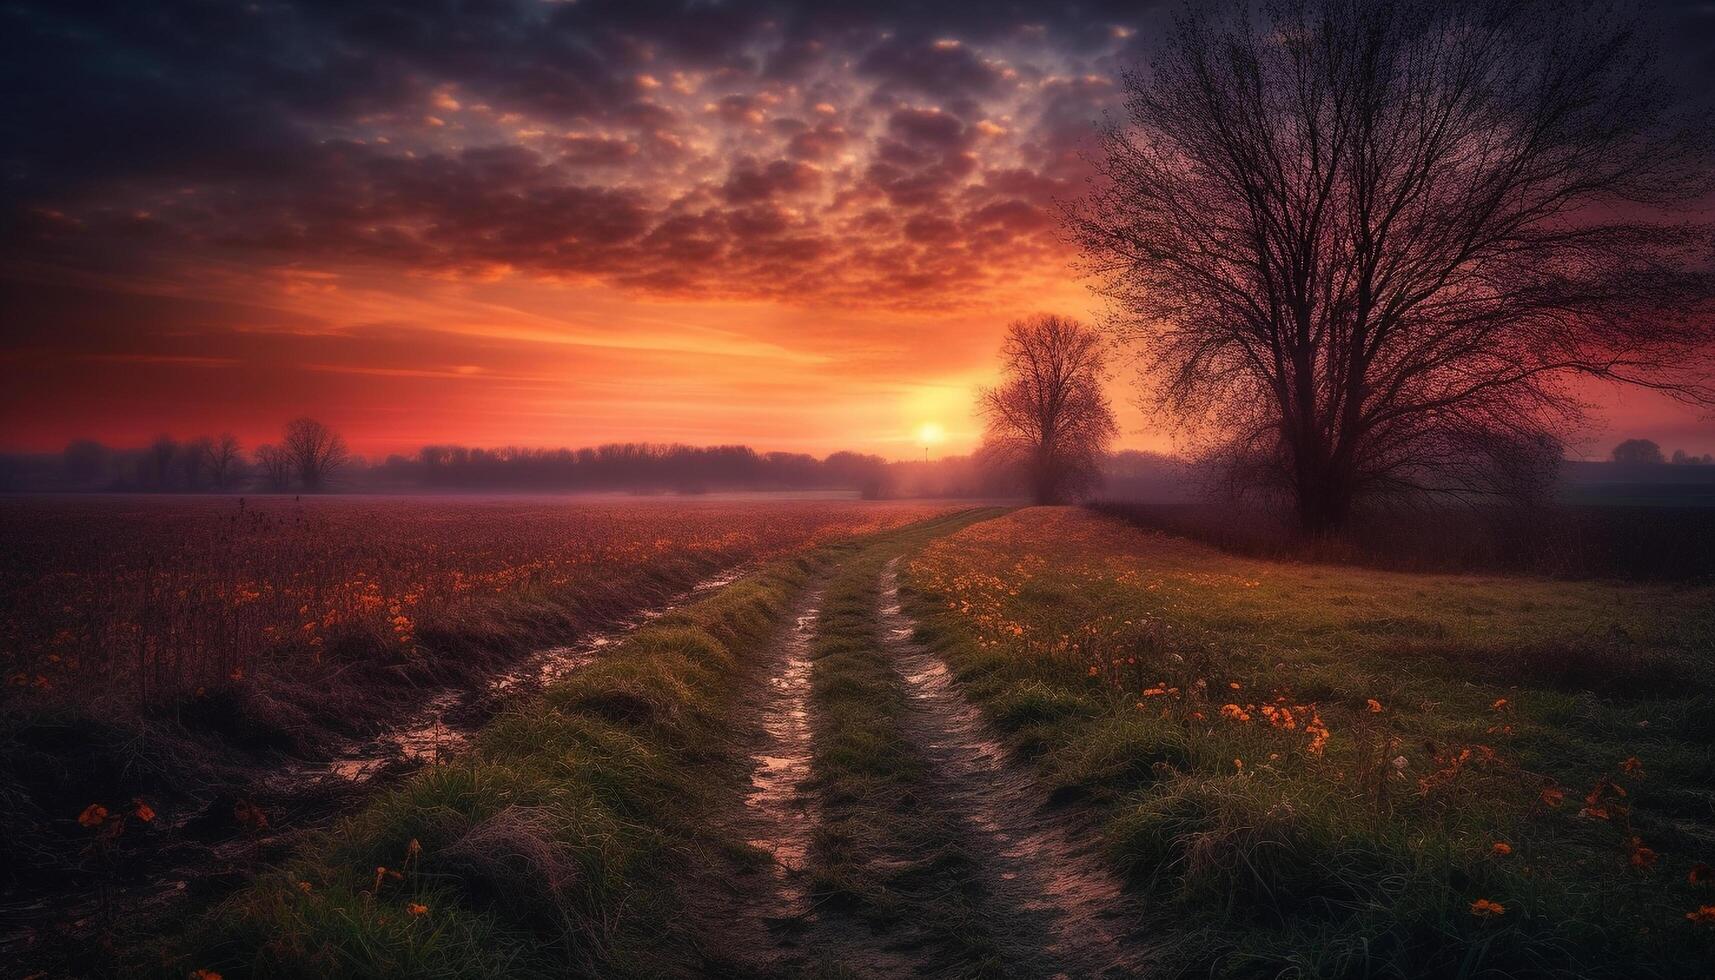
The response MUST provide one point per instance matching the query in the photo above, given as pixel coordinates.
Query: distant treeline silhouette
(312, 457)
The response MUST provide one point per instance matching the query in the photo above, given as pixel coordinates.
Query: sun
(931, 434)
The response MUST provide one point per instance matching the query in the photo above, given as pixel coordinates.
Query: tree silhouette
(276, 467)
(1633, 452)
(314, 452)
(1357, 244)
(1049, 418)
(225, 461)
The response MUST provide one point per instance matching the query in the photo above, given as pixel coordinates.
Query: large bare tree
(1049, 417)
(315, 452)
(1366, 246)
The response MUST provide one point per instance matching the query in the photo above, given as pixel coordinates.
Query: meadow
(963, 742)
(1334, 771)
(199, 660)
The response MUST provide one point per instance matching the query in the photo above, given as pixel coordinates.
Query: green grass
(1258, 856)
(882, 850)
(550, 847)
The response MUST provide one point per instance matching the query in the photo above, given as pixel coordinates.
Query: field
(988, 742)
(1348, 772)
(184, 652)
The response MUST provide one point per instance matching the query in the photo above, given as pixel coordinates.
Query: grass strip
(883, 851)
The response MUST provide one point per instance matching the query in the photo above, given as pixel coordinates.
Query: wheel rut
(1044, 886)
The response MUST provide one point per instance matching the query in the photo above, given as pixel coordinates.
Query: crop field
(950, 742)
(142, 599)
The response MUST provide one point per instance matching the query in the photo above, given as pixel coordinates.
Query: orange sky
(797, 228)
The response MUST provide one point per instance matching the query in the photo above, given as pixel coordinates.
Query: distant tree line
(308, 456)
(1647, 452)
(633, 466)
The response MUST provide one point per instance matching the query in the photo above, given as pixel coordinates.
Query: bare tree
(225, 461)
(276, 467)
(1049, 418)
(1354, 242)
(315, 451)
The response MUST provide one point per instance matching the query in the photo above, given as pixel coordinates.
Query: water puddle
(429, 736)
(784, 763)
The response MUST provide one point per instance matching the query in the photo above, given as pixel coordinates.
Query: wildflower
(1553, 796)
(204, 975)
(1239, 764)
(1150, 692)
(1633, 766)
(1704, 913)
(1375, 706)
(1094, 670)
(1482, 908)
(304, 887)
(1700, 874)
(417, 910)
(144, 811)
(1501, 704)
(1643, 858)
(93, 815)
(1500, 848)
(1234, 685)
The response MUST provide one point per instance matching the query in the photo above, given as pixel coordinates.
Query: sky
(520, 222)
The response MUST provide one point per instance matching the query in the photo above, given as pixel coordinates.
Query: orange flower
(1501, 704)
(1500, 848)
(1643, 858)
(1375, 706)
(1094, 670)
(417, 910)
(1553, 796)
(204, 975)
(93, 815)
(1632, 765)
(1482, 908)
(1701, 874)
(144, 811)
(304, 887)
(1705, 913)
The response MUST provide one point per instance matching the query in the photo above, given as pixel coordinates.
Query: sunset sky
(802, 227)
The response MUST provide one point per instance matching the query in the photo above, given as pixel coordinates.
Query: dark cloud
(752, 147)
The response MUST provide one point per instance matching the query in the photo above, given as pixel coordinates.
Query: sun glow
(931, 434)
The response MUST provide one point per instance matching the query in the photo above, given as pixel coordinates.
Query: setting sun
(630, 487)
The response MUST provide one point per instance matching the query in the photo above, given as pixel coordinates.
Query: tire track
(1043, 883)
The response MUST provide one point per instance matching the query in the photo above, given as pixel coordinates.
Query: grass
(557, 844)
(882, 850)
(1107, 654)
(182, 651)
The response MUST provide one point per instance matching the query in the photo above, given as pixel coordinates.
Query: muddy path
(1046, 892)
(753, 907)
(203, 853)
